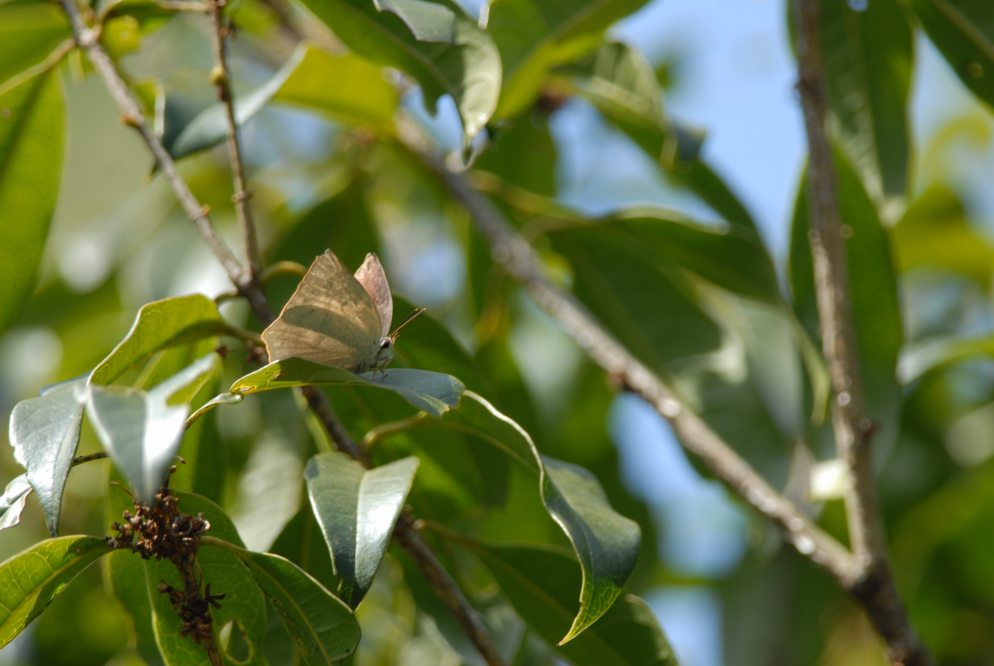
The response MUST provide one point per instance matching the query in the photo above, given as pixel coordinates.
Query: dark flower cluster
(160, 530)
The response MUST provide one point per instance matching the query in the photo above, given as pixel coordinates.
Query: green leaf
(539, 583)
(605, 542)
(933, 354)
(15, 494)
(159, 325)
(630, 286)
(432, 392)
(33, 579)
(619, 81)
(936, 232)
(140, 433)
(323, 628)
(873, 290)
(535, 35)
(125, 575)
(44, 433)
(732, 257)
(210, 127)
(435, 43)
(343, 86)
(29, 32)
(32, 134)
(142, 429)
(357, 509)
(868, 56)
(963, 31)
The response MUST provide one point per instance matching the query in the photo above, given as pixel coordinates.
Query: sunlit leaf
(15, 494)
(432, 392)
(33, 579)
(936, 232)
(29, 32)
(159, 325)
(533, 36)
(357, 508)
(142, 429)
(343, 86)
(540, 582)
(32, 134)
(963, 31)
(322, 626)
(44, 433)
(436, 43)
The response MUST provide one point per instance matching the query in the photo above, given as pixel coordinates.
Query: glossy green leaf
(44, 433)
(343, 86)
(605, 542)
(535, 35)
(873, 291)
(643, 298)
(432, 392)
(436, 43)
(963, 31)
(867, 53)
(33, 579)
(619, 81)
(539, 583)
(320, 624)
(159, 325)
(29, 33)
(32, 136)
(357, 509)
(12, 501)
(140, 433)
(142, 429)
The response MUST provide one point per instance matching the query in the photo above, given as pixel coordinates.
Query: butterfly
(337, 318)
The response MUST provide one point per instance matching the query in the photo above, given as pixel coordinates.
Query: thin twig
(446, 588)
(409, 538)
(131, 114)
(518, 258)
(221, 78)
(875, 586)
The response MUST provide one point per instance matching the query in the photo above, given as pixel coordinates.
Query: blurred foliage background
(627, 206)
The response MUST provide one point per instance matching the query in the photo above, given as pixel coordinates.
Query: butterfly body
(336, 318)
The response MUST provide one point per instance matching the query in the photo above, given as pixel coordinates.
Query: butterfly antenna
(410, 318)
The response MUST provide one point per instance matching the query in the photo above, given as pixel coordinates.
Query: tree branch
(221, 78)
(88, 41)
(874, 586)
(404, 531)
(518, 258)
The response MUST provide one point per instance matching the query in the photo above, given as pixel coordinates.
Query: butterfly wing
(371, 276)
(329, 319)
